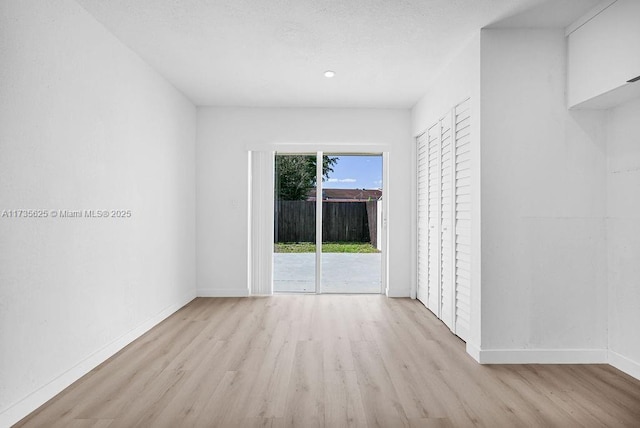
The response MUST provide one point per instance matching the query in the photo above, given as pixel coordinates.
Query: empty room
(384, 213)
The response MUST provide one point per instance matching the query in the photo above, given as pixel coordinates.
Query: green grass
(329, 247)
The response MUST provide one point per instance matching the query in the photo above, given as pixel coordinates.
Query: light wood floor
(331, 361)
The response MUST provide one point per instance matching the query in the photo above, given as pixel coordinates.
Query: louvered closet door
(433, 213)
(446, 223)
(422, 150)
(444, 219)
(462, 135)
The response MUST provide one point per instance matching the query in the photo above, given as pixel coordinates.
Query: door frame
(261, 216)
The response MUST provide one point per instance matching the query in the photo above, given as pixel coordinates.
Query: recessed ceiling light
(329, 74)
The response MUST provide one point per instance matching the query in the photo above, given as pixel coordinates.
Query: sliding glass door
(328, 223)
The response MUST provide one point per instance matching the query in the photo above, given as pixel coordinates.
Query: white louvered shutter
(462, 124)
(446, 222)
(444, 219)
(422, 150)
(433, 213)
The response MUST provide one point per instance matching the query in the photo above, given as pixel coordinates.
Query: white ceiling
(274, 52)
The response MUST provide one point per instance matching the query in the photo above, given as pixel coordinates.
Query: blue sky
(356, 172)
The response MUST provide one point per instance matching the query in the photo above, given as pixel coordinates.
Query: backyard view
(351, 214)
(327, 247)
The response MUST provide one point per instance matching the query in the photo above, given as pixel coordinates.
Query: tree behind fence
(343, 221)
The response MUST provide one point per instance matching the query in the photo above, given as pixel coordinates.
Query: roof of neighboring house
(347, 195)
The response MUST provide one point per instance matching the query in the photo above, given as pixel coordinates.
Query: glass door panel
(351, 224)
(294, 258)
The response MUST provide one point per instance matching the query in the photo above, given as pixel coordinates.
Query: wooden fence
(342, 221)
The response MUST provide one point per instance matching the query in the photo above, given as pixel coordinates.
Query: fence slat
(343, 221)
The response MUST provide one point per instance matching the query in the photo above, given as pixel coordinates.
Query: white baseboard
(624, 364)
(222, 292)
(555, 356)
(37, 398)
(398, 293)
(541, 356)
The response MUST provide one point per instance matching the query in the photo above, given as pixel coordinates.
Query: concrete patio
(341, 272)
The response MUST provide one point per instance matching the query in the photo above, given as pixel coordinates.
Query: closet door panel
(422, 151)
(462, 308)
(446, 222)
(433, 209)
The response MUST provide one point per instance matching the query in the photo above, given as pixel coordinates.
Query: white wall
(458, 81)
(224, 136)
(85, 124)
(623, 235)
(543, 197)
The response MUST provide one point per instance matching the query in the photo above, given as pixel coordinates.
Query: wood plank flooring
(328, 360)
